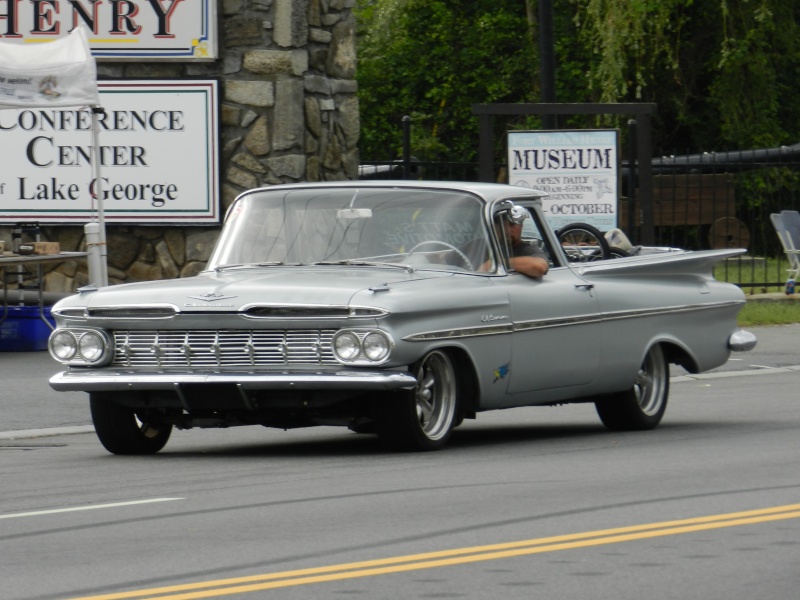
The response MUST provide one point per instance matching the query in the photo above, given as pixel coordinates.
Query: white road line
(92, 507)
(49, 432)
(725, 374)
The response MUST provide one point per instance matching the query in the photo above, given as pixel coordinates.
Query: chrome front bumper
(116, 381)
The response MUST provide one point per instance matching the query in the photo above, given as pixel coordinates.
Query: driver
(524, 257)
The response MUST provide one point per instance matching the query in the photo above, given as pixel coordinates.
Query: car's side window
(532, 232)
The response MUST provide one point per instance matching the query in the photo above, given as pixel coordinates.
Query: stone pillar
(290, 109)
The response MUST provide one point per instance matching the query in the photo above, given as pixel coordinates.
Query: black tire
(641, 407)
(615, 252)
(583, 243)
(120, 430)
(421, 419)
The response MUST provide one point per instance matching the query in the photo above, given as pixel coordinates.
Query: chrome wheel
(422, 418)
(651, 382)
(435, 395)
(643, 405)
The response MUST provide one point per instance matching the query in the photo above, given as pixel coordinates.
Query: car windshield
(424, 229)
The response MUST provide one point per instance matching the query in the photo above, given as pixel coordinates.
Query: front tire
(642, 406)
(121, 431)
(421, 419)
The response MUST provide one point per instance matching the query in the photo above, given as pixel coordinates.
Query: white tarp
(48, 74)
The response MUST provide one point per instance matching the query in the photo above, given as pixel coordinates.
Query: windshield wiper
(366, 263)
(219, 268)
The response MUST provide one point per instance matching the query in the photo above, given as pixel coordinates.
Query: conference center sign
(158, 152)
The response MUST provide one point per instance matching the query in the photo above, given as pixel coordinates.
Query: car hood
(233, 290)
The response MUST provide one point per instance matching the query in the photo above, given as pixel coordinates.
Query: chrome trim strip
(448, 334)
(462, 332)
(107, 380)
(560, 322)
(681, 308)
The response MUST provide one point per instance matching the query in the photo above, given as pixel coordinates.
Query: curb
(773, 297)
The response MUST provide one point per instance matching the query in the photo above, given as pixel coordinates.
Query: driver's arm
(532, 266)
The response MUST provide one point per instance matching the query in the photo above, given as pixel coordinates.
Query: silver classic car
(390, 307)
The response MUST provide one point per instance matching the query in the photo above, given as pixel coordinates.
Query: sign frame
(578, 168)
(119, 30)
(49, 176)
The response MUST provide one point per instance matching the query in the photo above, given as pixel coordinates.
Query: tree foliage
(432, 60)
(724, 73)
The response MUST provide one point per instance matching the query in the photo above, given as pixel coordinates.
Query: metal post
(101, 267)
(547, 60)
(485, 154)
(632, 181)
(644, 150)
(406, 147)
(94, 258)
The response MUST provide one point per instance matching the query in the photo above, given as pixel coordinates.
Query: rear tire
(121, 431)
(642, 406)
(421, 419)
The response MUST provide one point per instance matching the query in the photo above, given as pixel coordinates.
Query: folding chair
(787, 226)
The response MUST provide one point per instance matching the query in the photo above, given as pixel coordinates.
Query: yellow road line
(459, 556)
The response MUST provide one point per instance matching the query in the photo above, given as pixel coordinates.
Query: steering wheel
(462, 256)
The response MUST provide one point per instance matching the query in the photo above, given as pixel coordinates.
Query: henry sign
(118, 29)
(578, 169)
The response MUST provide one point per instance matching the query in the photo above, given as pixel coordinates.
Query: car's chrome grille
(227, 348)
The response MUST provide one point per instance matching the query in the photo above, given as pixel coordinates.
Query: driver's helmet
(517, 214)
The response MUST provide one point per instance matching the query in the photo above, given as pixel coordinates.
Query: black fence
(701, 201)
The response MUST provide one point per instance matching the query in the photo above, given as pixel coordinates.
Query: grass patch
(755, 275)
(769, 313)
(760, 276)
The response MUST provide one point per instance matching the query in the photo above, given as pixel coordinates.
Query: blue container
(790, 287)
(24, 330)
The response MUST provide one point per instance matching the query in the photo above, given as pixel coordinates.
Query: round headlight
(91, 346)
(346, 346)
(376, 346)
(63, 345)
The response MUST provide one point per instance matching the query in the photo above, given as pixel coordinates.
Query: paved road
(28, 403)
(524, 504)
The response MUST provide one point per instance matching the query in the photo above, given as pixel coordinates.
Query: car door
(556, 321)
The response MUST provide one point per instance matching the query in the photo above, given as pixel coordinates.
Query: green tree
(432, 60)
(724, 73)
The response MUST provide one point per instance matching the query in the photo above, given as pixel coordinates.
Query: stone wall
(289, 113)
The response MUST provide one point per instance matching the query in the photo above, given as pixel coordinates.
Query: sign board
(578, 169)
(118, 29)
(159, 156)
